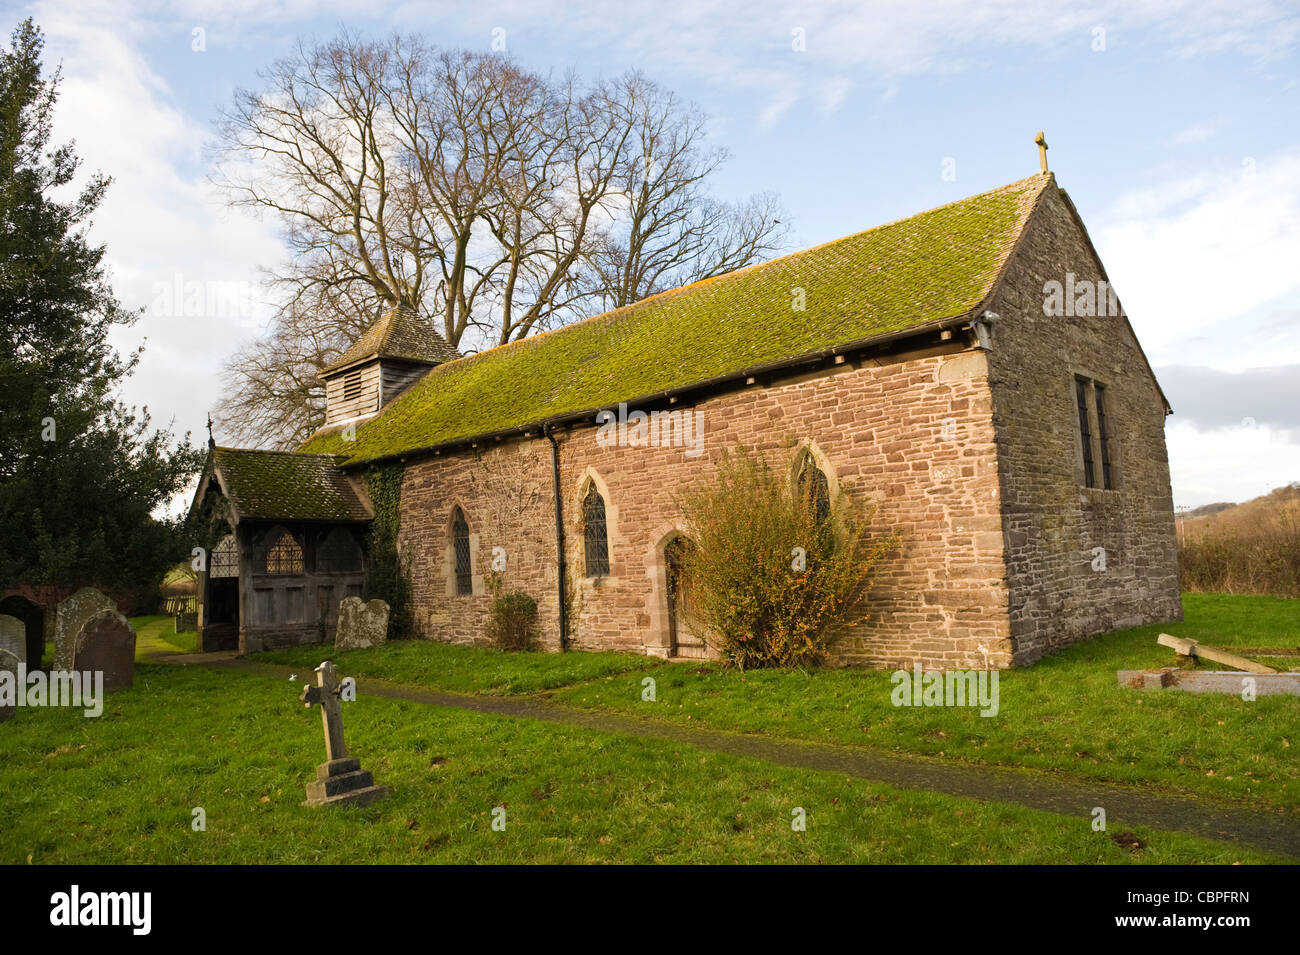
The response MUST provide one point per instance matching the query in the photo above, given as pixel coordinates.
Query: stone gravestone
(361, 625)
(107, 643)
(70, 617)
(13, 652)
(339, 779)
(13, 637)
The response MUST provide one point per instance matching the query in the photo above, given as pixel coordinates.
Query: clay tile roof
(399, 333)
(933, 267)
(287, 485)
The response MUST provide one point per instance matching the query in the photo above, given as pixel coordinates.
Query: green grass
(1236, 620)
(153, 634)
(1065, 715)
(122, 788)
(158, 634)
(462, 669)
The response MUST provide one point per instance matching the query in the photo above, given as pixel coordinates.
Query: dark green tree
(81, 474)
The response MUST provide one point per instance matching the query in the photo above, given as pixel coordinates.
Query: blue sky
(1174, 126)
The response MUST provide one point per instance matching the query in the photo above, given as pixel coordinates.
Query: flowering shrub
(772, 569)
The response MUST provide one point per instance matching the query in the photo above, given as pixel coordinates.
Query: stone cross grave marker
(340, 779)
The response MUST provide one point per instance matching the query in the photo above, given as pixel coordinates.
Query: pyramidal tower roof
(399, 334)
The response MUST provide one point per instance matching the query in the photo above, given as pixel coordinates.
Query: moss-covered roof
(287, 486)
(914, 272)
(400, 333)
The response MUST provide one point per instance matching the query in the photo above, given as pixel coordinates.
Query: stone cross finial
(326, 693)
(1041, 140)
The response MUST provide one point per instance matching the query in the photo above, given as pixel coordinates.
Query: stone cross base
(343, 781)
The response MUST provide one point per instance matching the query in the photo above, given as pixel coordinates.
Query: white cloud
(889, 39)
(834, 92)
(1228, 464)
(1194, 134)
(1204, 250)
(160, 219)
(776, 109)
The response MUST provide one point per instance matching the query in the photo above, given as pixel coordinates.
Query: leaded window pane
(596, 534)
(460, 544)
(225, 558)
(284, 555)
(815, 488)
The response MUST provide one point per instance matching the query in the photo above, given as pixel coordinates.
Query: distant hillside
(1239, 518)
(1248, 548)
(1205, 510)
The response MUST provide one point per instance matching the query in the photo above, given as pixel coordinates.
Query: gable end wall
(1052, 521)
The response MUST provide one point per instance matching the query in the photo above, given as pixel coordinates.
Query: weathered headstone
(107, 644)
(13, 636)
(339, 779)
(13, 652)
(361, 625)
(70, 617)
(187, 621)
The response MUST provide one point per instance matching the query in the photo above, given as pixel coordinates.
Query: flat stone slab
(361, 625)
(1231, 682)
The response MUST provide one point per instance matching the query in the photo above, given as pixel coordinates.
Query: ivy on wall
(390, 577)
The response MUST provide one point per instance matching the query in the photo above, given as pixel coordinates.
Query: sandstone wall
(912, 434)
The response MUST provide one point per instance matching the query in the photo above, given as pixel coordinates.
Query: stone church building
(967, 370)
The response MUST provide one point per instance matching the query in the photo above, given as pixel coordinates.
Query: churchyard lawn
(233, 748)
(153, 635)
(1066, 715)
(239, 747)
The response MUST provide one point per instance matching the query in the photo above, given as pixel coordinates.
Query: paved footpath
(1259, 829)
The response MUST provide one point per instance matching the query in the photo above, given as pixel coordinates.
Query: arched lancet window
(595, 533)
(225, 558)
(282, 554)
(460, 546)
(339, 552)
(814, 487)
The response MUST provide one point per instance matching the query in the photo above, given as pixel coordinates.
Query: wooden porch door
(681, 628)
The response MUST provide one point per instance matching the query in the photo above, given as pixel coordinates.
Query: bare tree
(492, 200)
(551, 209)
(277, 400)
(669, 230)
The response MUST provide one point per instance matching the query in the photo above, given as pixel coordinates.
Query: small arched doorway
(683, 633)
